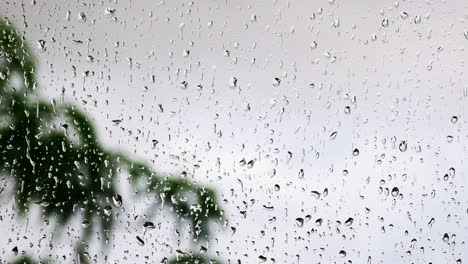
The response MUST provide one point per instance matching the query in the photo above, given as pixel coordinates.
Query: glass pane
(233, 131)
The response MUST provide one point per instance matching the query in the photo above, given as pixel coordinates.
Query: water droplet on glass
(117, 200)
(149, 225)
(356, 152)
(336, 23)
(347, 110)
(385, 22)
(431, 222)
(449, 139)
(15, 251)
(300, 222)
(349, 221)
(301, 174)
(452, 172)
(333, 135)
(316, 194)
(140, 241)
(403, 146)
(319, 222)
(81, 17)
(446, 177)
(41, 45)
(454, 119)
(276, 82)
(108, 210)
(342, 253)
(233, 82)
(109, 12)
(203, 249)
(85, 223)
(446, 237)
(277, 187)
(395, 191)
(253, 18)
(313, 45)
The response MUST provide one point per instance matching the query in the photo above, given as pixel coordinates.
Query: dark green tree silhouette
(53, 157)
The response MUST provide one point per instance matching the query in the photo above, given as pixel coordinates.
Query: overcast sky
(375, 72)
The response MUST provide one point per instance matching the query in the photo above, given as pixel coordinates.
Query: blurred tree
(53, 156)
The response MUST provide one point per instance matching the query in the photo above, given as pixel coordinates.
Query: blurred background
(326, 127)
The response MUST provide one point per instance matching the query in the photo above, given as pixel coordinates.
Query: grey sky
(405, 80)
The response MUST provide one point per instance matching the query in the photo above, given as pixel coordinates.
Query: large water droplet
(117, 200)
(403, 146)
(81, 17)
(41, 45)
(356, 152)
(300, 221)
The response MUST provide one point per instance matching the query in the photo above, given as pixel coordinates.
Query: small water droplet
(41, 45)
(301, 174)
(446, 237)
(316, 194)
(233, 82)
(385, 22)
(277, 187)
(446, 177)
(313, 45)
(356, 152)
(300, 222)
(85, 223)
(431, 222)
(449, 139)
(242, 162)
(108, 210)
(15, 250)
(109, 12)
(184, 85)
(347, 110)
(140, 241)
(276, 82)
(452, 172)
(342, 253)
(149, 225)
(454, 119)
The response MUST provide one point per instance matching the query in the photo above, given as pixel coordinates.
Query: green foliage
(190, 258)
(64, 168)
(27, 260)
